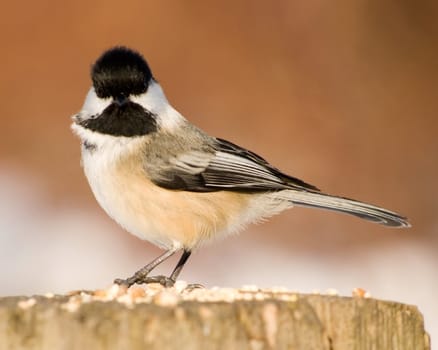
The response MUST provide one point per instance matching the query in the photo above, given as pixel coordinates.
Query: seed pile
(181, 291)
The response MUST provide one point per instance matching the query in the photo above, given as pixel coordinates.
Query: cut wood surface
(177, 318)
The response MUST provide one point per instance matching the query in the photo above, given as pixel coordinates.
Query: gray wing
(225, 166)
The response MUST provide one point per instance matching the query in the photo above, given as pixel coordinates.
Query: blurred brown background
(341, 94)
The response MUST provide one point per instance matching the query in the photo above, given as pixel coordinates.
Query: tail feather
(349, 206)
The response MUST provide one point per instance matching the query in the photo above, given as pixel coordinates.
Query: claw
(193, 286)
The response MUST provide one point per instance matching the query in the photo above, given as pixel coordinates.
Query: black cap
(120, 72)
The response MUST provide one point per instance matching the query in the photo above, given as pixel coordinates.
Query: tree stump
(177, 318)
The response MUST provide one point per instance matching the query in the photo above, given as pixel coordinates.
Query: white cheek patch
(155, 101)
(94, 105)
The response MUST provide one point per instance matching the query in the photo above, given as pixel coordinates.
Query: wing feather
(227, 167)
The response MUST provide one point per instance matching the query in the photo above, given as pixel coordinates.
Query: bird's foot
(128, 282)
(138, 277)
(142, 279)
(163, 280)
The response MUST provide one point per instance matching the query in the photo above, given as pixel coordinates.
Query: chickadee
(168, 182)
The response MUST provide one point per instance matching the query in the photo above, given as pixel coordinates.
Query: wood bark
(303, 322)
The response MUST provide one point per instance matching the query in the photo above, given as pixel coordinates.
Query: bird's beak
(121, 100)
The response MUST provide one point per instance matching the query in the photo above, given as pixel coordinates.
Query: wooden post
(136, 319)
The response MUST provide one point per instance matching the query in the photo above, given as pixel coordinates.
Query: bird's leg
(184, 257)
(141, 275)
(170, 281)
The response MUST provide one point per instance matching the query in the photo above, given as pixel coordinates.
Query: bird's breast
(167, 218)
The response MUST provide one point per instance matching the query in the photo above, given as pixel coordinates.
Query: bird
(167, 181)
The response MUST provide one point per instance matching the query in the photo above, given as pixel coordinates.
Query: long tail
(349, 206)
